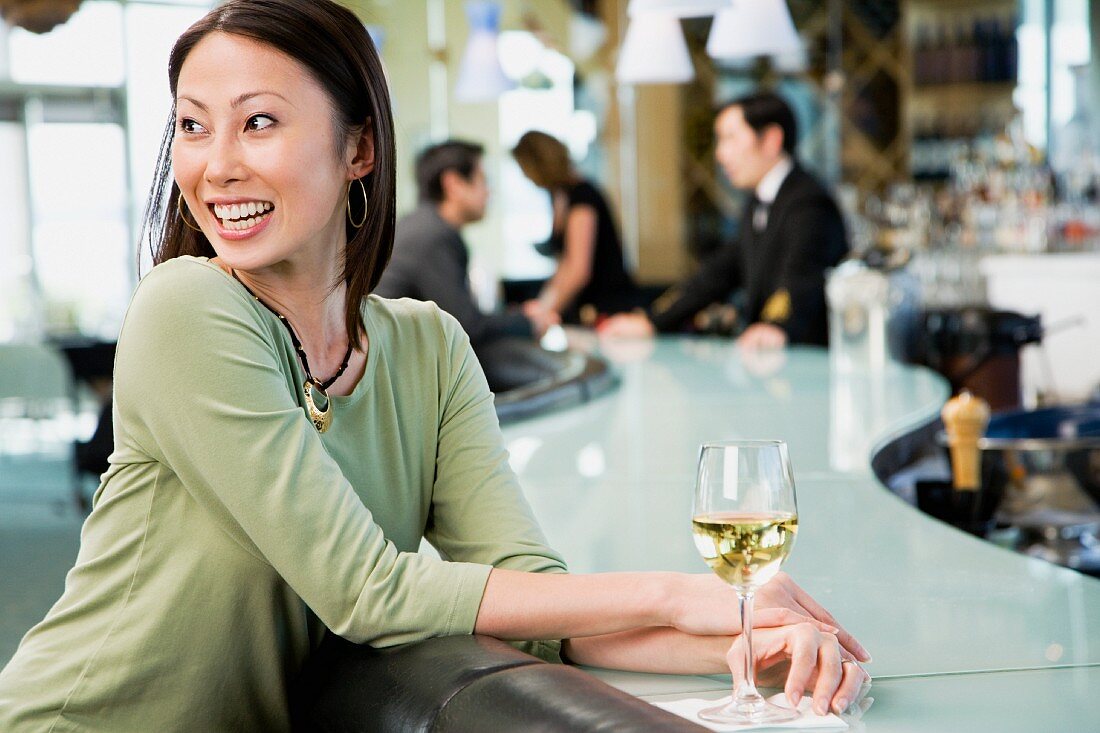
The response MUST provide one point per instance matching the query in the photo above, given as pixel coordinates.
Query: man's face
(744, 156)
(472, 195)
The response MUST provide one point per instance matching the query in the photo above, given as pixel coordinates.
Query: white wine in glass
(744, 521)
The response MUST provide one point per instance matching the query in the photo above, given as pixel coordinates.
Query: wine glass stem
(746, 692)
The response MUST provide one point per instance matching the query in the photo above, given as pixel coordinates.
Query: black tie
(759, 215)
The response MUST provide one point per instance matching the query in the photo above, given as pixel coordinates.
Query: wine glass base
(748, 712)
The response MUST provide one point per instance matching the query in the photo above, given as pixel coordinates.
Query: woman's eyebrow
(249, 95)
(238, 101)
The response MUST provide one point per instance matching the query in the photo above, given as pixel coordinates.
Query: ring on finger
(855, 664)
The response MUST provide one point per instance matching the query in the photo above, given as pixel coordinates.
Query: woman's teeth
(242, 216)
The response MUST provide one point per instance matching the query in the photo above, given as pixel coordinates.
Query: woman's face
(255, 155)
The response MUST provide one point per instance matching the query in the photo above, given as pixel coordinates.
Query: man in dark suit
(430, 258)
(791, 233)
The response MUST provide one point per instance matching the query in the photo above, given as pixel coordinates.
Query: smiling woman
(262, 151)
(340, 116)
(284, 439)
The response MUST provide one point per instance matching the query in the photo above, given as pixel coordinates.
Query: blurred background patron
(591, 277)
(791, 233)
(430, 258)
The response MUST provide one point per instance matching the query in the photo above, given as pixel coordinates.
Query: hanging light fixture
(753, 28)
(586, 36)
(37, 16)
(480, 76)
(654, 52)
(678, 8)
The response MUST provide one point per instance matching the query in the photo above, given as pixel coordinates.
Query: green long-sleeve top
(228, 533)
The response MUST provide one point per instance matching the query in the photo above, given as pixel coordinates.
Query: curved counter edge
(929, 601)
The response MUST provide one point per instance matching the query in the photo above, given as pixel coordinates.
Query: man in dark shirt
(791, 233)
(430, 258)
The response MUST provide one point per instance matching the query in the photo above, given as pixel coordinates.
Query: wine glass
(744, 520)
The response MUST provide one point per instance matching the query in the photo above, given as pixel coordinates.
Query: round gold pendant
(321, 419)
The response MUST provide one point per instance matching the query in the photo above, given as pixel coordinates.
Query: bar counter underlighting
(966, 636)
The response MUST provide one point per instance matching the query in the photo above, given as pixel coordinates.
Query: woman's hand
(540, 316)
(705, 605)
(801, 657)
(782, 592)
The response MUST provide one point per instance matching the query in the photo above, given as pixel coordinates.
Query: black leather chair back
(461, 684)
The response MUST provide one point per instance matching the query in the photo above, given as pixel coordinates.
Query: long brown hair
(545, 160)
(334, 45)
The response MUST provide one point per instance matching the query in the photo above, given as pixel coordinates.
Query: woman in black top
(591, 278)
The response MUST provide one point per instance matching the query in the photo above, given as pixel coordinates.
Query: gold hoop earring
(179, 208)
(351, 218)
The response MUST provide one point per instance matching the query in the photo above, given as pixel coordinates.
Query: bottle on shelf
(965, 48)
(1009, 53)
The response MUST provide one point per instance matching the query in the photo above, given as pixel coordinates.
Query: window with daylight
(82, 111)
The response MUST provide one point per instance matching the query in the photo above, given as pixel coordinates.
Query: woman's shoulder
(188, 313)
(422, 344)
(187, 276)
(188, 288)
(408, 319)
(585, 192)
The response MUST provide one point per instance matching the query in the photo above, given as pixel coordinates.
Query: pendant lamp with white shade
(654, 51)
(678, 8)
(753, 28)
(480, 76)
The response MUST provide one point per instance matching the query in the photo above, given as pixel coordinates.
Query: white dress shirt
(768, 189)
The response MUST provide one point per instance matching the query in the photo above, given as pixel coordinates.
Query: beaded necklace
(322, 419)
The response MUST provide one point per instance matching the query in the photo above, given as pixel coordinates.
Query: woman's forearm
(579, 252)
(519, 605)
(563, 288)
(675, 623)
(654, 649)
